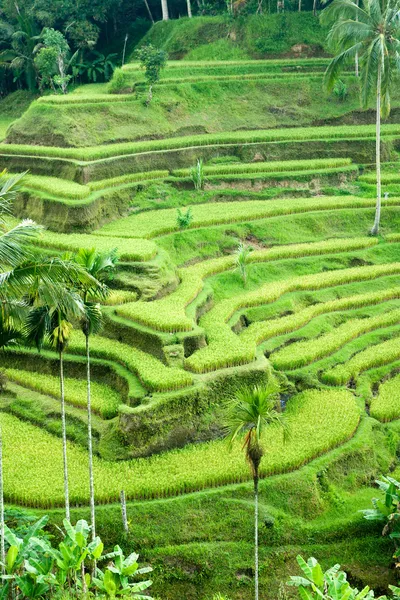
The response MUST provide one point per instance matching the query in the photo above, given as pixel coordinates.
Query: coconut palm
(53, 322)
(23, 268)
(164, 8)
(100, 266)
(250, 415)
(370, 32)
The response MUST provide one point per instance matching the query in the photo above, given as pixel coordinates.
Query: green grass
(105, 400)
(36, 481)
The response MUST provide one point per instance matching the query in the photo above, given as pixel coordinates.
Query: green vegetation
(204, 247)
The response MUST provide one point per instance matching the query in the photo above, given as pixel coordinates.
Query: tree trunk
(375, 228)
(64, 438)
(149, 11)
(256, 535)
(315, 8)
(164, 7)
(2, 541)
(356, 58)
(90, 442)
(299, 5)
(189, 9)
(259, 8)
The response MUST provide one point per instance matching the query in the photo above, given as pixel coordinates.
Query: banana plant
(115, 580)
(23, 556)
(386, 510)
(329, 585)
(72, 553)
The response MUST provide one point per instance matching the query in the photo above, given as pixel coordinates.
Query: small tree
(152, 61)
(51, 60)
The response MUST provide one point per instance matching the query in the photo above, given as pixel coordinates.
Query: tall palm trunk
(299, 5)
(255, 478)
(64, 437)
(2, 541)
(149, 11)
(375, 228)
(357, 70)
(189, 9)
(90, 440)
(164, 7)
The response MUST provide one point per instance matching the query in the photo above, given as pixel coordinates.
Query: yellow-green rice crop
(271, 166)
(105, 400)
(385, 406)
(225, 349)
(302, 353)
(160, 222)
(264, 330)
(126, 179)
(374, 356)
(153, 373)
(168, 314)
(63, 188)
(134, 249)
(224, 138)
(33, 458)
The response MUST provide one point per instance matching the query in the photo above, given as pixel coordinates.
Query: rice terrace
(200, 299)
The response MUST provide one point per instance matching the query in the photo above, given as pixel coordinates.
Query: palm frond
(14, 247)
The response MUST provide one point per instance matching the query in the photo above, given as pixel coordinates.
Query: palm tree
(100, 266)
(371, 33)
(250, 414)
(19, 57)
(164, 8)
(53, 322)
(2, 520)
(189, 8)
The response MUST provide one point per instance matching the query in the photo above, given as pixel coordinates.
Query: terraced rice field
(319, 309)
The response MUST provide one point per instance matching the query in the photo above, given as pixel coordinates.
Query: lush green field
(289, 174)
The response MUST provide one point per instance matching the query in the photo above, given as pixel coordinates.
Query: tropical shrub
(317, 584)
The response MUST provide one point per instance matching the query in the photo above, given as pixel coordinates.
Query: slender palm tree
(2, 520)
(189, 8)
(250, 414)
(53, 322)
(100, 266)
(370, 32)
(164, 8)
